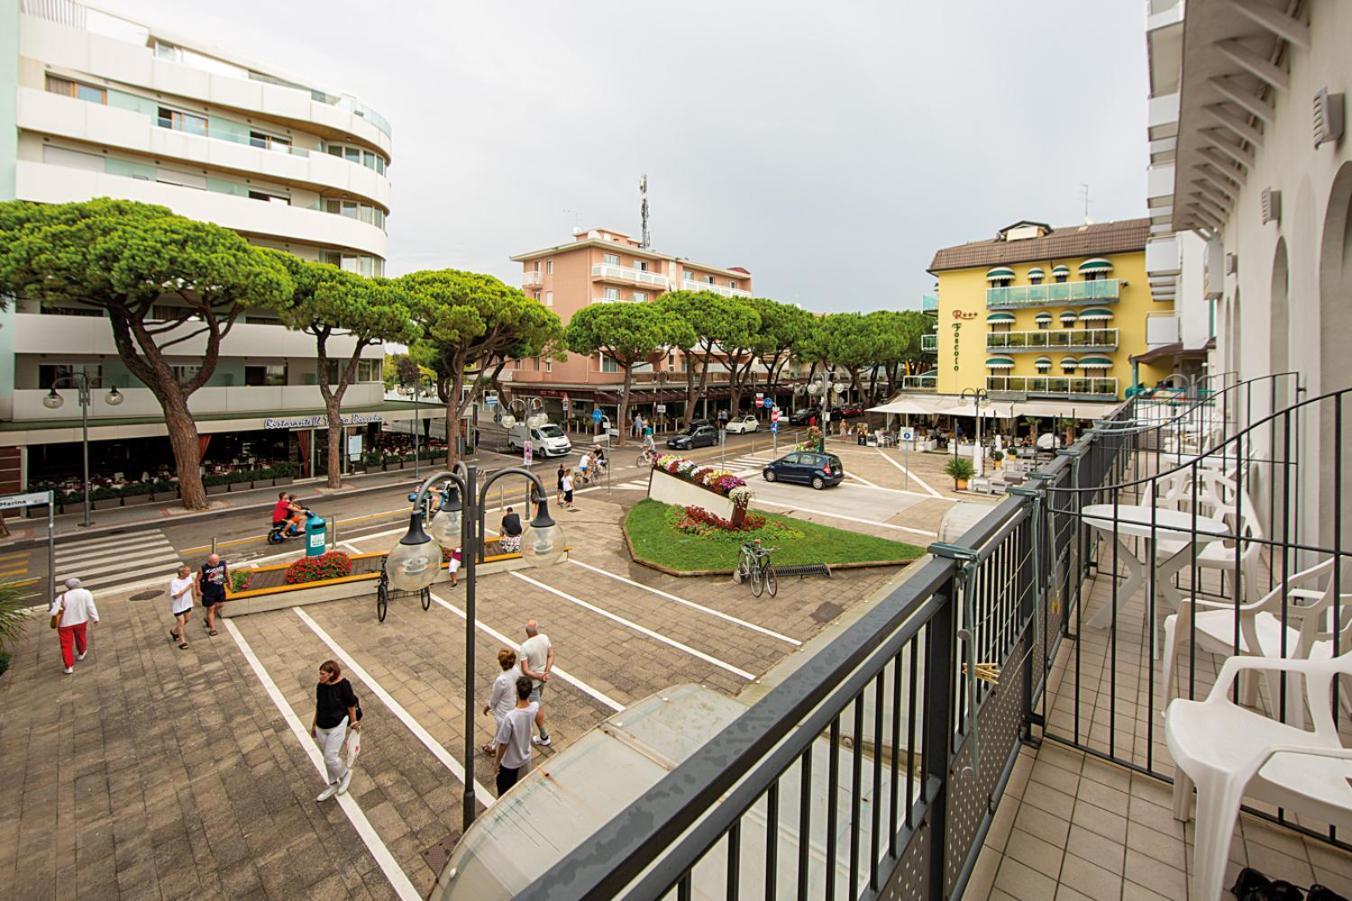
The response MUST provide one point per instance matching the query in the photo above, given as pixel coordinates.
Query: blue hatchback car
(807, 468)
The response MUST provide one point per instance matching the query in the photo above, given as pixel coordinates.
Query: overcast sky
(829, 148)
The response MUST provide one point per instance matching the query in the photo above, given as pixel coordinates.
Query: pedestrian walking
(211, 588)
(71, 613)
(336, 711)
(503, 697)
(513, 738)
(181, 589)
(453, 565)
(558, 496)
(510, 531)
(536, 656)
(636, 427)
(567, 486)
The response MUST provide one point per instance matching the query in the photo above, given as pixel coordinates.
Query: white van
(547, 440)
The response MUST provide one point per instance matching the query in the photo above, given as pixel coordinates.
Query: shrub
(14, 602)
(4, 662)
(960, 468)
(997, 456)
(240, 579)
(333, 565)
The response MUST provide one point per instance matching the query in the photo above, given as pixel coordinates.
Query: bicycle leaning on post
(753, 565)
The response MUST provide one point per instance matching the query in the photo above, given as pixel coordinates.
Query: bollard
(333, 532)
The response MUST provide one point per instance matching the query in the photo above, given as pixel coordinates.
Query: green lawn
(652, 531)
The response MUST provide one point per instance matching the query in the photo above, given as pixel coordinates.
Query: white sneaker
(328, 792)
(542, 742)
(344, 782)
(69, 670)
(81, 655)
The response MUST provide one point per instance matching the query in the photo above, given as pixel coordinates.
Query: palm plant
(14, 602)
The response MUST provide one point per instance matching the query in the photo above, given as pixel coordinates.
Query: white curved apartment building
(93, 104)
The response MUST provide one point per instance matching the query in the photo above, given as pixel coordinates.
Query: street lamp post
(978, 456)
(416, 388)
(824, 389)
(79, 380)
(415, 562)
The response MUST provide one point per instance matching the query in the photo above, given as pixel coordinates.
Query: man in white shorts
(181, 590)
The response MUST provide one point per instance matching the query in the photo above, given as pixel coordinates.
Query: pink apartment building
(606, 266)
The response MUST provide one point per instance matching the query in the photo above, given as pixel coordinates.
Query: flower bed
(333, 565)
(698, 521)
(733, 494)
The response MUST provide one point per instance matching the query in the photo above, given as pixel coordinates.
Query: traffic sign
(774, 415)
(774, 426)
(907, 435)
(596, 414)
(31, 499)
(661, 408)
(527, 452)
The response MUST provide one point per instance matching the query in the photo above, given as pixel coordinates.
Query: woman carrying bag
(336, 710)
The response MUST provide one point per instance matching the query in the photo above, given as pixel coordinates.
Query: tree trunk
(335, 417)
(187, 452)
(453, 419)
(624, 405)
(689, 391)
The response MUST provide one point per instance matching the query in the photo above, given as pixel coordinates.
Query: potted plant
(1032, 423)
(1067, 426)
(996, 458)
(961, 469)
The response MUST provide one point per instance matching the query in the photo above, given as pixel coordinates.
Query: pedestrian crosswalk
(102, 562)
(743, 466)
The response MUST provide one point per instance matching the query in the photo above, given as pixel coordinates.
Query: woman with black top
(335, 713)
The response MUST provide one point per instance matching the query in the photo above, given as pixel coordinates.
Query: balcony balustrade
(1106, 290)
(929, 344)
(1052, 339)
(613, 273)
(1064, 387)
(532, 279)
(922, 383)
(691, 284)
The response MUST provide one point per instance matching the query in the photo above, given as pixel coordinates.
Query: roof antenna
(643, 208)
(1084, 192)
(577, 221)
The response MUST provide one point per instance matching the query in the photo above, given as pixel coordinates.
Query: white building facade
(1251, 166)
(94, 105)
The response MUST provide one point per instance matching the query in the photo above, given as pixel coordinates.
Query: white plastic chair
(1307, 628)
(1230, 752)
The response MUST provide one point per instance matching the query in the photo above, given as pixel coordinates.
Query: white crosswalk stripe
(102, 562)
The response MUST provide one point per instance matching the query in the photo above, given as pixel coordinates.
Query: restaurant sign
(321, 422)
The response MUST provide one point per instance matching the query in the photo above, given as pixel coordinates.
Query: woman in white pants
(335, 712)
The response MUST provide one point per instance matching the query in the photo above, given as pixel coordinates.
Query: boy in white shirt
(74, 609)
(181, 590)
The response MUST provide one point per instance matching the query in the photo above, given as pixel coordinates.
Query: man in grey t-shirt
(513, 737)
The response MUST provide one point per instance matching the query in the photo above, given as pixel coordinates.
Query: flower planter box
(669, 489)
(131, 500)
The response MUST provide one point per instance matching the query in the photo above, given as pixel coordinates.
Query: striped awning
(1069, 362)
(1043, 317)
(1096, 313)
(1069, 316)
(1000, 317)
(1095, 363)
(1062, 271)
(998, 273)
(1043, 362)
(1097, 264)
(999, 363)
(1036, 272)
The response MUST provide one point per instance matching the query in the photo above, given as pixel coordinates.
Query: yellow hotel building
(1050, 313)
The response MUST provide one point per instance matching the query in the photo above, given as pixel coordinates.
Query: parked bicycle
(753, 565)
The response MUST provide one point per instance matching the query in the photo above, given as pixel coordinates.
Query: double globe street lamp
(79, 380)
(415, 562)
(824, 389)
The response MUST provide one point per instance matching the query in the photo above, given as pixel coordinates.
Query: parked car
(738, 425)
(547, 440)
(807, 468)
(696, 436)
(801, 416)
(850, 410)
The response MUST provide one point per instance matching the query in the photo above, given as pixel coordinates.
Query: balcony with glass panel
(1058, 387)
(929, 303)
(1052, 339)
(1104, 290)
(928, 383)
(929, 344)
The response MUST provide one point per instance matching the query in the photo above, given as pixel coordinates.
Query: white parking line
(440, 753)
(870, 522)
(919, 481)
(642, 630)
(388, 865)
(691, 604)
(556, 671)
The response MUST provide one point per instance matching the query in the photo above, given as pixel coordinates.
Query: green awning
(1043, 362)
(1096, 313)
(1097, 264)
(1043, 317)
(1095, 363)
(1069, 362)
(998, 273)
(1061, 270)
(1000, 317)
(999, 363)
(1069, 316)
(1036, 272)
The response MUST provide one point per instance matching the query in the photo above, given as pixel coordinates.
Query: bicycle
(753, 563)
(646, 457)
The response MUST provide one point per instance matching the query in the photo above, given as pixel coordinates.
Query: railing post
(940, 672)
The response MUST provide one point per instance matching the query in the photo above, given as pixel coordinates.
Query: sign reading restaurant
(320, 422)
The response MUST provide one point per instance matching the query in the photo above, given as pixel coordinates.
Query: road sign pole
(906, 466)
(51, 545)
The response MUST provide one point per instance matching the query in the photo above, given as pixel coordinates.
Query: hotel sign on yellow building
(1049, 313)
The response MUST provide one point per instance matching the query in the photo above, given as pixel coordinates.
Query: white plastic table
(1173, 537)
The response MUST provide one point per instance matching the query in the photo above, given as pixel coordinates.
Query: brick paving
(160, 773)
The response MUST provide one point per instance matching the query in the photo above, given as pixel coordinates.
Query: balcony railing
(691, 284)
(1104, 290)
(929, 303)
(1061, 387)
(614, 273)
(1052, 339)
(532, 278)
(927, 382)
(929, 344)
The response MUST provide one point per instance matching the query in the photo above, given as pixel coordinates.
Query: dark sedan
(806, 468)
(695, 436)
(801, 416)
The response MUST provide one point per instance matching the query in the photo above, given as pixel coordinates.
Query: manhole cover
(144, 596)
(827, 612)
(437, 855)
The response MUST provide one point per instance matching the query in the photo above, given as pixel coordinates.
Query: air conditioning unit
(1231, 263)
(1328, 117)
(1272, 205)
